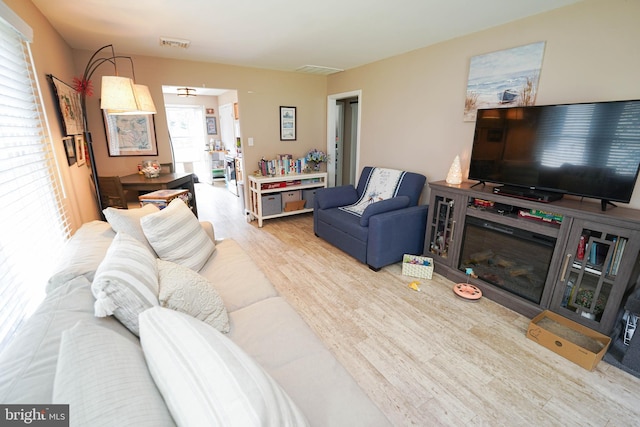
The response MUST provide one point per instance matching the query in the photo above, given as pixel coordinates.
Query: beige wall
(260, 93)
(52, 55)
(412, 104)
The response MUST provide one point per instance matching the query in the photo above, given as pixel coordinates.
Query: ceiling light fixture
(186, 91)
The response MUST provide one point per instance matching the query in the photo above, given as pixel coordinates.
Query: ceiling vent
(317, 69)
(169, 42)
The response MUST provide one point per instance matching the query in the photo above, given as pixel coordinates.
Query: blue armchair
(383, 228)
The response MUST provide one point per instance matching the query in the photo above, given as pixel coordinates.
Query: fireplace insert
(513, 259)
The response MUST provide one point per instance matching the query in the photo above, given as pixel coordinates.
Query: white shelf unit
(256, 191)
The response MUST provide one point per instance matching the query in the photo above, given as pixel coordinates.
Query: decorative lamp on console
(119, 96)
(454, 176)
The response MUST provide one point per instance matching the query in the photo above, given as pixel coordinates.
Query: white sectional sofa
(65, 354)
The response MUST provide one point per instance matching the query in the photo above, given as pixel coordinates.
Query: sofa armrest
(394, 233)
(327, 198)
(382, 206)
(208, 228)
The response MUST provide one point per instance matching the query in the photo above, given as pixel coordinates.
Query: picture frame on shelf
(68, 106)
(70, 149)
(212, 128)
(81, 158)
(130, 135)
(288, 123)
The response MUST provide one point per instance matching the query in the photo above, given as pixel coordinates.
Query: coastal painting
(507, 78)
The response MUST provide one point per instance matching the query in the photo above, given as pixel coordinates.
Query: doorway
(196, 128)
(343, 137)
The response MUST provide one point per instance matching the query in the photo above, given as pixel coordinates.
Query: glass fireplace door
(513, 259)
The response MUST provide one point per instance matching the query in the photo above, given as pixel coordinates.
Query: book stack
(161, 198)
(284, 164)
(618, 251)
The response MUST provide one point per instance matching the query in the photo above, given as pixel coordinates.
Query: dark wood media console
(567, 256)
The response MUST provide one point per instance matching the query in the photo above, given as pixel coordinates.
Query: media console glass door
(594, 274)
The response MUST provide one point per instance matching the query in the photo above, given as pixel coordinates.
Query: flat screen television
(589, 149)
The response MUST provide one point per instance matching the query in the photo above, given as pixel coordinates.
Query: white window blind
(33, 224)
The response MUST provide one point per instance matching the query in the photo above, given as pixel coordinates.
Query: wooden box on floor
(161, 198)
(569, 339)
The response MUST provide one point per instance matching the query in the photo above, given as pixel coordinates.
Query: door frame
(331, 130)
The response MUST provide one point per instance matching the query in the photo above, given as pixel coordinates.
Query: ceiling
(279, 34)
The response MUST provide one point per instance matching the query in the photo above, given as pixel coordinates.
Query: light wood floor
(425, 358)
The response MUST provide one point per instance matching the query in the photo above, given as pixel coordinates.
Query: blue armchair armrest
(327, 198)
(394, 233)
(398, 202)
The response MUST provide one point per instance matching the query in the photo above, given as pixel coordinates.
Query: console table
(567, 256)
(261, 187)
(138, 182)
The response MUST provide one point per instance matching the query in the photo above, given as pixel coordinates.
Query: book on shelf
(285, 164)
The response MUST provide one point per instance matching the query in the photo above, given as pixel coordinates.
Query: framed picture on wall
(287, 123)
(68, 103)
(212, 129)
(80, 150)
(70, 149)
(130, 135)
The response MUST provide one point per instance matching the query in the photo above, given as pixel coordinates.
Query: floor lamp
(119, 96)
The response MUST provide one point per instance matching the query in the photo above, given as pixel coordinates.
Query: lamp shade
(117, 94)
(143, 97)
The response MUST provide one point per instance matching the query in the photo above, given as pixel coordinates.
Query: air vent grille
(170, 42)
(317, 69)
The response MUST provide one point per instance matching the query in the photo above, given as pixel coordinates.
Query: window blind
(33, 223)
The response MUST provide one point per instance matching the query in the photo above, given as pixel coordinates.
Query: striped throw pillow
(203, 375)
(103, 376)
(176, 235)
(126, 282)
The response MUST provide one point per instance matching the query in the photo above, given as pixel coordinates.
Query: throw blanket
(381, 184)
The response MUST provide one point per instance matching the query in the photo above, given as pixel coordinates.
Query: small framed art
(212, 129)
(80, 150)
(287, 123)
(70, 149)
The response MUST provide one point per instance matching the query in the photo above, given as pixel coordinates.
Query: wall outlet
(250, 141)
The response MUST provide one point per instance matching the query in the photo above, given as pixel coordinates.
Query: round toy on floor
(467, 291)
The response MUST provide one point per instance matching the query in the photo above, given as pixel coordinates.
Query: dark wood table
(138, 182)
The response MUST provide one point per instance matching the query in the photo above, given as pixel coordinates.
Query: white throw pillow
(83, 253)
(126, 282)
(177, 236)
(104, 379)
(128, 221)
(203, 375)
(184, 290)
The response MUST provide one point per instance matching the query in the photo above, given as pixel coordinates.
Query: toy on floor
(415, 285)
(467, 291)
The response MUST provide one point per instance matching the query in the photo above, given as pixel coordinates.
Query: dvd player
(528, 193)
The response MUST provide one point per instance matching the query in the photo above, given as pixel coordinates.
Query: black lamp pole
(91, 67)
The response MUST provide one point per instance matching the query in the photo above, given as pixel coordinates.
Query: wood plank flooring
(425, 358)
